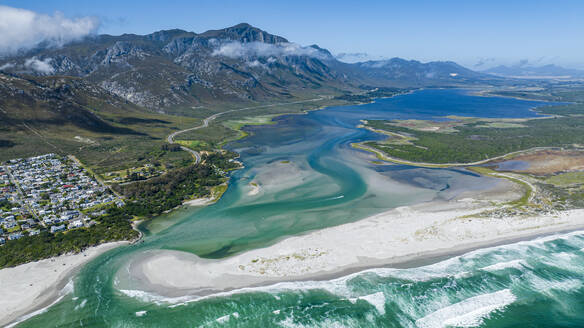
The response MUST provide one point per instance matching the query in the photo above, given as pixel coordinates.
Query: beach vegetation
(114, 226)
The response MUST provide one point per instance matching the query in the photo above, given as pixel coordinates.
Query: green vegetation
(6, 143)
(195, 144)
(103, 152)
(566, 189)
(501, 125)
(114, 226)
(563, 92)
(222, 160)
(68, 116)
(565, 197)
(476, 141)
(215, 135)
(163, 193)
(566, 179)
(154, 196)
(137, 173)
(221, 131)
(6, 205)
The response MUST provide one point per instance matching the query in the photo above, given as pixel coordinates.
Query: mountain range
(176, 72)
(546, 71)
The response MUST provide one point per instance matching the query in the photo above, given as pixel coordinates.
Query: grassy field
(195, 144)
(566, 179)
(473, 140)
(104, 152)
(565, 91)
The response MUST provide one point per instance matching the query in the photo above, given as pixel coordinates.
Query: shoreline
(405, 262)
(35, 286)
(491, 93)
(383, 240)
(204, 201)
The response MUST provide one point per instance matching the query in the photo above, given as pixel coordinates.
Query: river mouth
(301, 175)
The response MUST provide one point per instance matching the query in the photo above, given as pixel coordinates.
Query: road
(95, 176)
(195, 154)
(381, 155)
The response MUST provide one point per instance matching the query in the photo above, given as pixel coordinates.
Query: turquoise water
(310, 178)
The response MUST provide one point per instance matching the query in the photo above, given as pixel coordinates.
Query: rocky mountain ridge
(173, 71)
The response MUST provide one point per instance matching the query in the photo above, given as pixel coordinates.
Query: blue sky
(468, 32)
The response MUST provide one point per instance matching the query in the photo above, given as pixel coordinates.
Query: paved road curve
(206, 121)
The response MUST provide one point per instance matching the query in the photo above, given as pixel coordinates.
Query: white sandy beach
(396, 236)
(399, 235)
(33, 286)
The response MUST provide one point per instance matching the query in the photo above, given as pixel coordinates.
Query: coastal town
(49, 193)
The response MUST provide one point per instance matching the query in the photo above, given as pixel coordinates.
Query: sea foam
(515, 264)
(377, 300)
(468, 313)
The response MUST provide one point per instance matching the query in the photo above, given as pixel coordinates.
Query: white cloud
(24, 29)
(41, 66)
(7, 65)
(236, 49)
(256, 63)
(357, 57)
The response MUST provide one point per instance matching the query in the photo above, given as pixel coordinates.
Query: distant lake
(437, 103)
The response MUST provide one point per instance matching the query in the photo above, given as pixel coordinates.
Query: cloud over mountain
(237, 49)
(356, 57)
(41, 66)
(24, 29)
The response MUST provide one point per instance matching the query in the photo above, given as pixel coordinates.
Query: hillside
(173, 70)
(67, 115)
(40, 102)
(176, 71)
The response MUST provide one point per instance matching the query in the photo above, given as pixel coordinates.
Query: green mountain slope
(67, 115)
